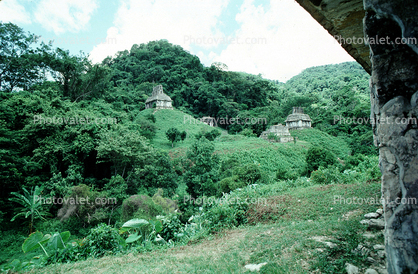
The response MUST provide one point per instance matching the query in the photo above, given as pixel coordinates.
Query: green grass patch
(315, 137)
(166, 118)
(287, 244)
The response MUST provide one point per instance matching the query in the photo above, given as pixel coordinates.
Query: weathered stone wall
(163, 105)
(281, 132)
(298, 124)
(394, 96)
(157, 90)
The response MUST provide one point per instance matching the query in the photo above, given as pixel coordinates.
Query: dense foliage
(71, 131)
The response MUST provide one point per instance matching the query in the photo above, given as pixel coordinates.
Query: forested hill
(330, 94)
(326, 80)
(202, 91)
(215, 91)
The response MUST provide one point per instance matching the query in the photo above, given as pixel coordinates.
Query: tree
(31, 205)
(20, 62)
(126, 149)
(202, 176)
(173, 135)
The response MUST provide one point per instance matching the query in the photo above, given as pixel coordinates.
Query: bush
(352, 162)
(241, 177)
(156, 172)
(230, 183)
(248, 132)
(210, 135)
(326, 176)
(287, 173)
(317, 157)
(250, 174)
(89, 212)
(272, 137)
(148, 128)
(140, 206)
(370, 167)
(228, 165)
(171, 226)
(151, 117)
(167, 205)
(102, 240)
(228, 211)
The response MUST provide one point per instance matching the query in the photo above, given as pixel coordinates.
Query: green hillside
(167, 118)
(313, 136)
(249, 150)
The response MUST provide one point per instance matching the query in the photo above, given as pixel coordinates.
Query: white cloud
(180, 22)
(277, 41)
(280, 42)
(60, 16)
(12, 11)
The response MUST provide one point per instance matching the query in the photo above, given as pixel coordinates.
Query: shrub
(370, 167)
(167, 205)
(248, 132)
(140, 229)
(272, 137)
(317, 157)
(102, 240)
(150, 117)
(89, 212)
(227, 211)
(210, 135)
(241, 177)
(228, 165)
(171, 226)
(140, 206)
(230, 183)
(116, 188)
(156, 172)
(148, 128)
(326, 176)
(250, 174)
(285, 173)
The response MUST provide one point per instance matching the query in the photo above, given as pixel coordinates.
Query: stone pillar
(394, 98)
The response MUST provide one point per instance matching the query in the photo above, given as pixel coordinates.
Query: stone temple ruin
(210, 121)
(281, 133)
(298, 119)
(159, 99)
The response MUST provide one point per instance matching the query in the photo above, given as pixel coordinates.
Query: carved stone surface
(394, 85)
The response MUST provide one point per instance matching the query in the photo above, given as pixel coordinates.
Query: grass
(166, 119)
(319, 138)
(248, 149)
(286, 243)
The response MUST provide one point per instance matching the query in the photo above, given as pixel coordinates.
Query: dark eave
(342, 18)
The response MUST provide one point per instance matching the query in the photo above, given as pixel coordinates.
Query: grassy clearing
(282, 237)
(248, 149)
(166, 119)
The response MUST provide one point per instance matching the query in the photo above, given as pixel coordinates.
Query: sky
(277, 38)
